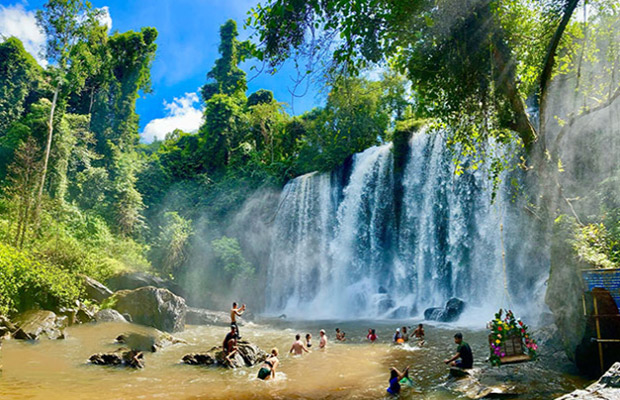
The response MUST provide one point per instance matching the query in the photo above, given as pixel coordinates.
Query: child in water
(308, 340)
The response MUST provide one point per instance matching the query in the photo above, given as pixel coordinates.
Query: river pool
(354, 369)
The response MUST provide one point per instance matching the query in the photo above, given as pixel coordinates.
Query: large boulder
(450, 313)
(201, 316)
(95, 290)
(37, 324)
(109, 315)
(247, 355)
(606, 388)
(135, 280)
(151, 306)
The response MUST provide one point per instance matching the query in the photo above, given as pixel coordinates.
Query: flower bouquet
(509, 336)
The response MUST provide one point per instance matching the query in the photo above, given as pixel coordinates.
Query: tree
(227, 78)
(458, 54)
(66, 23)
(22, 185)
(170, 250)
(19, 74)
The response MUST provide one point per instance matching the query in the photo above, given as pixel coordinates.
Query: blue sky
(187, 48)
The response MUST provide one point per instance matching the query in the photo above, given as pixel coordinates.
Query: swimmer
(298, 347)
(268, 369)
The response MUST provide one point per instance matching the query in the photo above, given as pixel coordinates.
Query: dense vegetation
(81, 194)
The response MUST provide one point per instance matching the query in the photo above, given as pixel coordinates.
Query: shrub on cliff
(26, 284)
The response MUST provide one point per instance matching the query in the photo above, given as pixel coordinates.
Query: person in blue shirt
(395, 377)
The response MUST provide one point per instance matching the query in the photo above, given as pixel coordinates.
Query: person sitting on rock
(464, 357)
(229, 336)
(231, 350)
(298, 347)
(234, 313)
(268, 369)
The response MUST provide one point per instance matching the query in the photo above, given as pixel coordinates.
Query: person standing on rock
(464, 357)
(234, 313)
(323, 341)
(298, 347)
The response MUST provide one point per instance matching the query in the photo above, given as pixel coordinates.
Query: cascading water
(343, 248)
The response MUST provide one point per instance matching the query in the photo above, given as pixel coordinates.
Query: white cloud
(181, 114)
(105, 18)
(16, 21)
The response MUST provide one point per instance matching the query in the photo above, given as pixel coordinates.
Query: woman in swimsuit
(308, 340)
(268, 370)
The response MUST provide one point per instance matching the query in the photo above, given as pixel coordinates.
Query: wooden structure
(513, 348)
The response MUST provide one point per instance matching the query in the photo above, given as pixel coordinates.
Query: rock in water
(606, 388)
(453, 310)
(125, 357)
(150, 306)
(35, 324)
(248, 355)
(201, 316)
(109, 315)
(148, 341)
(95, 290)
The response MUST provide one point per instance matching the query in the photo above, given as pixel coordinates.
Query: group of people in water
(463, 358)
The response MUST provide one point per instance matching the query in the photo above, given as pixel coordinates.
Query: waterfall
(341, 250)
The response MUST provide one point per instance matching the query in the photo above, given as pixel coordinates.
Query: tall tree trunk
(549, 63)
(48, 149)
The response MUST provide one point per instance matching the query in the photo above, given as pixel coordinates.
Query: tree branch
(545, 75)
(574, 118)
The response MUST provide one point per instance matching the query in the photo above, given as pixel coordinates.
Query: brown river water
(354, 369)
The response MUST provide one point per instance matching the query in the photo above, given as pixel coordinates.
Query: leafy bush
(26, 284)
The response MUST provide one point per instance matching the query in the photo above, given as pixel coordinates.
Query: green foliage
(170, 249)
(229, 257)
(226, 77)
(596, 246)
(19, 75)
(26, 283)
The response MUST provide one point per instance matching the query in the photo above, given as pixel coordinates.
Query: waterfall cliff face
(344, 245)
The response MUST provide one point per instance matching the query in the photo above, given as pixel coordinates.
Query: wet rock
(400, 312)
(282, 316)
(201, 316)
(382, 290)
(95, 290)
(122, 357)
(79, 314)
(198, 359)
(148, 341)
(152, 306)
(247, 355)
(6, 327)
(452, 311)
(109, 315)
(135, 280)
(37, 324)
(606, 388)
(384, 305)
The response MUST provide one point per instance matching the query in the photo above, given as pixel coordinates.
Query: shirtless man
(419, 334)
(323, 342)
(298, 347)
(234, 313)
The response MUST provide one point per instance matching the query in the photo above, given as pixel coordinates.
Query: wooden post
(598, 334)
